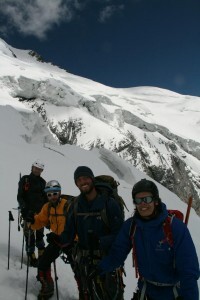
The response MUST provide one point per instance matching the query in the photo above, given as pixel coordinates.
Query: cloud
(108, 11)
(37, 17)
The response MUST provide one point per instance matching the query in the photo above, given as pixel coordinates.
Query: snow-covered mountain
(156, 130)
(17, 125)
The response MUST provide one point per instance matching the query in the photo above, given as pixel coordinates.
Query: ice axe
(188, 210)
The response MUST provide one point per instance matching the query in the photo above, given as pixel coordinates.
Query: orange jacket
(51, 216)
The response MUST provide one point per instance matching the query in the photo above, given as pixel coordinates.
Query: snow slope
(156, 130)
(60, 162)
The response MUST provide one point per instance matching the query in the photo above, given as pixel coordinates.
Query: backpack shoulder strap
(66, 208)
(104, 216)
(168, 229)
(48, 209)
(25, 183)
(132, 231)
(104, 212)
(75, 210)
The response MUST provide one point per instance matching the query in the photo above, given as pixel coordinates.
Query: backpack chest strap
(89, 214)
(56, 215)
(101, 213)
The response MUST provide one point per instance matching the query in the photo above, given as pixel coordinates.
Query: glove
(30, 217)
(68, 250)
(24, 212)
(67, 254)
(52, 238)
(136, 296)
(179, 298)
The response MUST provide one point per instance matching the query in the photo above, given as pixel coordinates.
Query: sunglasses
(147, 200)
(52, 194)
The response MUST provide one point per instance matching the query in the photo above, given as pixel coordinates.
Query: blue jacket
(156, 260)
(82, 224)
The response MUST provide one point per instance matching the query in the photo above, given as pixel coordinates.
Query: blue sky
(118, 43)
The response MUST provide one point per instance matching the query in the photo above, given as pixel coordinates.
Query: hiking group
(90, 233)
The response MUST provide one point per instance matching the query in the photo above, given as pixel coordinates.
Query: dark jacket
(31, 195)
(157, 261)
(90, 221)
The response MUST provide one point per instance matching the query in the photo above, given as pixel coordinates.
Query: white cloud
(37, 17)
(108, 11)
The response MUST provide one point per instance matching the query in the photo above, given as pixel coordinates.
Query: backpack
(107, 186)
(167, 224)
(167, 232)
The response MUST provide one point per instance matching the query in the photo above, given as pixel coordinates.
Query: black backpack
(107, 186)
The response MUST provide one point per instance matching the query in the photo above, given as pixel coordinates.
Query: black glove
(24, 212)
(67, 254)
(136, 296)
(30, 217)
(68, 250)
(52, 238)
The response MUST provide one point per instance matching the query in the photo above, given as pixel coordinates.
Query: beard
(54, 203)
(88, 189)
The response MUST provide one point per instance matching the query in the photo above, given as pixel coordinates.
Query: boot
(47, 283)
(33, 262)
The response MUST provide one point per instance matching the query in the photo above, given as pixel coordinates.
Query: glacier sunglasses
(147, 200)
(52, 194)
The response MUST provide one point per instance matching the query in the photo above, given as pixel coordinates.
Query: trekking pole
(188, 210)
(19, 210)
(10, 219)
(56, 279)
(22, 256)
(18, 226)
(28, 257)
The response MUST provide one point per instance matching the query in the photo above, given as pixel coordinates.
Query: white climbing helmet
(38, 164)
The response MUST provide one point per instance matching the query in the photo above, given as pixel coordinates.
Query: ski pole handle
(10, 216)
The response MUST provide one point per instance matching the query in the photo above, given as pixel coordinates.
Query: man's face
(53, 196)
(85, 184)
(36, 171)
(145, 210)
